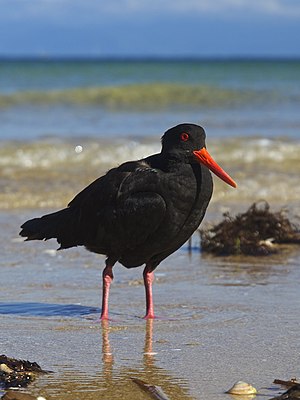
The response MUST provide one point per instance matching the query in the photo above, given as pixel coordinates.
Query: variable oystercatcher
(140, 212)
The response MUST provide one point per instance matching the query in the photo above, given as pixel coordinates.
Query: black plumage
(140, 212)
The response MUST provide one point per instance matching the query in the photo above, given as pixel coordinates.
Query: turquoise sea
(119, 97)
(70, 120)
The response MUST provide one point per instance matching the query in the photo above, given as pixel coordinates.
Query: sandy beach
(222, 320)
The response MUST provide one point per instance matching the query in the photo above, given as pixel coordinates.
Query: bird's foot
(104, 318)
(149, 315)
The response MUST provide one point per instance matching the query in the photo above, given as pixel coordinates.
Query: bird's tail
(60, 225)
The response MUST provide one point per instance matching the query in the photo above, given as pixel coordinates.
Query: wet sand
(222, 320)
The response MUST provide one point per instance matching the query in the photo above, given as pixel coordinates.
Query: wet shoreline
(223, 319)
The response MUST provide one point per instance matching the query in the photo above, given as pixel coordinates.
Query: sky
(150, 28)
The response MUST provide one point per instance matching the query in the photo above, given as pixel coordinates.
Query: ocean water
(63, 123)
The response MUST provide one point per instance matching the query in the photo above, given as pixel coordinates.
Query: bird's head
(187, 142)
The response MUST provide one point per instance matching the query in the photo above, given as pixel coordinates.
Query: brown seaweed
(255, 232)
(17, 373)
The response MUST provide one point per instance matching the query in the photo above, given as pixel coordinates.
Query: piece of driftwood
(154, 391)
(291, 382)
(292, 394)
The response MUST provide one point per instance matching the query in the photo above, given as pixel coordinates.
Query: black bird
(140, 212)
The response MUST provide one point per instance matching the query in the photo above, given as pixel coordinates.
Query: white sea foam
(49, 173)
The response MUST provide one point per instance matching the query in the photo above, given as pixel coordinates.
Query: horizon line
(77, 57)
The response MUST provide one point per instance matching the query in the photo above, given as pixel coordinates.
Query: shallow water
(48, 173)
(64, 123)
(222, 320)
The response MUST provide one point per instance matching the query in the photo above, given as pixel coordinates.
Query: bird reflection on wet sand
(146, 381)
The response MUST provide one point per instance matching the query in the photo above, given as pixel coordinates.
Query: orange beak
(205, 158)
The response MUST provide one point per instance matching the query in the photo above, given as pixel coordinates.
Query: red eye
(184, 137)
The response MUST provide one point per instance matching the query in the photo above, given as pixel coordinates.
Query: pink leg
(148, 279)
(107, 280)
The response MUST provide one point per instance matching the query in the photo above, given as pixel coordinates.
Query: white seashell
(5, 368)
(267, 242)
(241, 387)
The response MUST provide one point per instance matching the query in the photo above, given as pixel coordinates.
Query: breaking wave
(143, 96)
(49, 172)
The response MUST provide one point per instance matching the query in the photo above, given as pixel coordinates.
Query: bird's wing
(141, 207)
(80, 198)
(122, 208)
